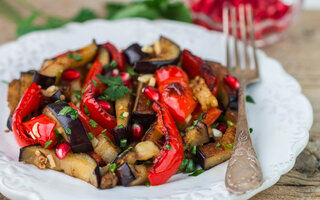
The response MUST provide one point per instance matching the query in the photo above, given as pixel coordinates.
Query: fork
(243, 171)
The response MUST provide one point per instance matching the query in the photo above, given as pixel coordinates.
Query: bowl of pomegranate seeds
(271, 17)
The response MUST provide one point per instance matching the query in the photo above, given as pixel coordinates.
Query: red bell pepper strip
(208, 117)
(94, 129)
(116, 55)
(97, 113)
(41, 129)
(170, 157)
(191, 64)
(97, 158)
(29, 102)
(195, 66)
(96, 68)
(175, 93)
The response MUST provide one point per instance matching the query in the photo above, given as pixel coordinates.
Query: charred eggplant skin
(43, 81)
(125, 174)
(78, 137)
(9, 123)
(134, 53)
(56, 96)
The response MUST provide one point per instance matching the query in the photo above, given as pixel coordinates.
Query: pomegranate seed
(70, 75)
(151, 93)
(126, 79)
(222, 128)
(115, 72)
(62, 150)
(231, 81)
(104, 105)
(137, 131)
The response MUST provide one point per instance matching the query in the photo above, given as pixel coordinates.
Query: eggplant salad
(125, 117)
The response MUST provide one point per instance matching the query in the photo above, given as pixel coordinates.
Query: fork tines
(246, 29)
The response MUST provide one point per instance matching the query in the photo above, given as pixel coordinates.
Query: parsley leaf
(94, 82)
(90, 135)
(197, 172)
(230, 145)
(249, 99)
(110, 81)
(123, 143)
(47, 144)
(124, 152)
(116, 88)
(168, 147)
(193, 125)
(68, 131)
(113, 167)
(194, 150)
(93, 123)
(191, 166)
(218, 145)
(184, 164)
(147, 184)
(230, 123)
(5, 82)
(131, 71)
(103, 133)
(120, 126)
(113, 64)
(69, 110)
(69, 55)
(250, 129)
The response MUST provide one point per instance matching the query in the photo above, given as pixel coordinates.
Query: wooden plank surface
(298, 53)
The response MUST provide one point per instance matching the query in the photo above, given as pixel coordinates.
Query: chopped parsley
(249, 99)
(131, 71)
(168, 147)
(69, 110)
(122, 115)
(90, 135)
(85, 108)
(5, 82)
(197, 172)
(182, 134)
(77, 58)
(200, 116)
(123, 143)
(250, 130)
(124, 152)
(147, 184)
(120, 126)
(94, 82)
(113, 64)
(230, 123)
(68, 131)
(56, 131)
(193, 125)
(218, 145)
(93, 124)
(104, 134)
(77, 94)
(191, 166)
(70, 55)
(148, 129)
(194, 150)
(113, 167)
(230, 145)
(184, 164)
(148, 102)
(116, 88)
(47, 144)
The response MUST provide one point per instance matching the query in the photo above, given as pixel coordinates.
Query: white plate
(281, 117)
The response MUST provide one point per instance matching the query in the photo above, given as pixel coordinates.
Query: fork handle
(243, 171)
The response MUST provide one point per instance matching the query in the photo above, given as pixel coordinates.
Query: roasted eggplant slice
(71, 129)
(78, 165)
(103, 56)
(167, 53)
(142, 109)
(196, 134)
(13, 97)
(212, 154)
(154, 135)
(44, 81)
(130, 174)
(227, 96)
(146, 150)
(105, 148)
(122, 133)
(108, 180)
(57, 96)
(134, 53)
(72, 60)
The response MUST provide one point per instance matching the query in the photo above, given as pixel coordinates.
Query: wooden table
(299, 53)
